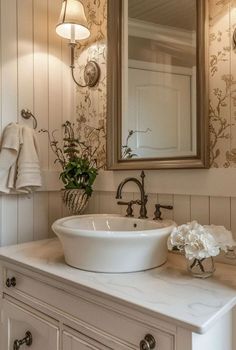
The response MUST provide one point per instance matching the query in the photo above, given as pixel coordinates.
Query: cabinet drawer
(18, 323)
(72, 340)
(93, 314)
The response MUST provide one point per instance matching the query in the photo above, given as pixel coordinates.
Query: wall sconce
(73, 25)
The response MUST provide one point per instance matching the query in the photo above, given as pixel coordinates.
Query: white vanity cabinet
(68, 309)
(82, 323)
(29, 302)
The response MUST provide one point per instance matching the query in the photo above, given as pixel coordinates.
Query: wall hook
(26, 114)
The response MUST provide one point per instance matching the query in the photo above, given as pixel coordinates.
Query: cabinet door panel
(16, 322)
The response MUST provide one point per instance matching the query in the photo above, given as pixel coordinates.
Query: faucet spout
(125, 181)
(143, 199)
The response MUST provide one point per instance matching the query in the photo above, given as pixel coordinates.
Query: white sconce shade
(73, 23)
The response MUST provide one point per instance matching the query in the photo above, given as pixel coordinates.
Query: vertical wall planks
(9, 61)
(204, 209)
(55, 83)
(200, 209)
(152, 201)
(55, 69)
(65, 211)
(34, 76)
(55, 209)
(93, 204)
(108, 203)
(25, 39)
(25, 101)
(181, 209)
(41, 104)
(9, 104)
(220, 211)
(9, 220)
(68, 86)
(166, 199)
(41, 215)
(25, 219)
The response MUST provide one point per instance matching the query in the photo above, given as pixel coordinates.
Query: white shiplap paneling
(35, 75)
(200, 209)
(9, 104)
(204, 209)
(220, 211)
(182, 211)
(25, 62)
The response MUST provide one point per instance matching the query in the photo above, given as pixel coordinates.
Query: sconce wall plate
(91, 73)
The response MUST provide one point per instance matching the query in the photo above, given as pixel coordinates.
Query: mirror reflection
(159, 79)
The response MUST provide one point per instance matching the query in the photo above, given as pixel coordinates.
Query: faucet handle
(157, 213)
(129, 211)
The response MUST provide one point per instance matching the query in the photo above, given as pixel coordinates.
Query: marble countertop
(168, 292)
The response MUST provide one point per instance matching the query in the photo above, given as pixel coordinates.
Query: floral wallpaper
(91, 103)
(222, 82)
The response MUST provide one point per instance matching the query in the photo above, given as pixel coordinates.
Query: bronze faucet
(144, 197)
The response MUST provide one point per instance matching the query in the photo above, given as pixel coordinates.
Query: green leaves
(79, 174)
(77, 158)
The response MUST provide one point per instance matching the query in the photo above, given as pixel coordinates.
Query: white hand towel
(28, 177)
(10, 147)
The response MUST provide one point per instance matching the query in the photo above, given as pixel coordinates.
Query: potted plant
(78, 162)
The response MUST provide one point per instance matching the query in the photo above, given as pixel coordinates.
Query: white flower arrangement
(200, 242)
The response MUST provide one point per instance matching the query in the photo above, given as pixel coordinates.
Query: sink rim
(58, 226)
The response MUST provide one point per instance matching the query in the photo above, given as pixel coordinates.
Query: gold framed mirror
(157, 84)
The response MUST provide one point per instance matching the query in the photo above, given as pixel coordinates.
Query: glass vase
(201, 268)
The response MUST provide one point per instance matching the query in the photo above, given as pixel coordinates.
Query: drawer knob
(148, 343)
(11, 282)
(27, 340)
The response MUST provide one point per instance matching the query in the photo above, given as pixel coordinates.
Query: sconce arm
(92, 70)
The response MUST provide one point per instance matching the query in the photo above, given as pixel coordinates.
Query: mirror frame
(114, 97)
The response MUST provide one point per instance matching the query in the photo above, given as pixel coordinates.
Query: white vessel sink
(111, 243)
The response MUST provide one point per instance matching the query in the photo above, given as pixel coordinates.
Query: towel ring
(26, 114)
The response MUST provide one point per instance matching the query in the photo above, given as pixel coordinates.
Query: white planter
(76, 200)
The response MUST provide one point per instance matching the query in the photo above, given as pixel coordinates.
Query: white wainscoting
(204, 209)
(35, 75)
